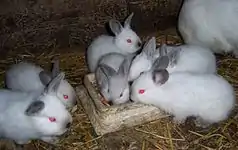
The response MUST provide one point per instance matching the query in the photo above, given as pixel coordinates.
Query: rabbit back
(98, 48)
(203, 23)
(113, 60)
(208, 96)
(194, 59)
(19, 75)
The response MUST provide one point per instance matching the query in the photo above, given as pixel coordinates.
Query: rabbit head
(149, 81)
(66, 92)
(125, 38)
(114, 84)
(47, 114)
(143, 62)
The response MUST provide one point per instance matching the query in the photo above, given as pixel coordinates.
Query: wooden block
(106, 119)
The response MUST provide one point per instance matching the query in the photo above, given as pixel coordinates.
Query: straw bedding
(161, 134)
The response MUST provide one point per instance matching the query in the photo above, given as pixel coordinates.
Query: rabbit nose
(68, 125)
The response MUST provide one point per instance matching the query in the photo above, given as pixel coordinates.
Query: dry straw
(161, 134)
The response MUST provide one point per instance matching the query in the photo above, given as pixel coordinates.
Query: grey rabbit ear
(150, 47)
(174, 55)
(160, 76)
(125, 66)
(107, 70)
(163, 50)
(101, 78)
(127, 22)
(115, 26)
(55, 83)
(34, 108)
(56, 68)
(161, 63)
(45, 77)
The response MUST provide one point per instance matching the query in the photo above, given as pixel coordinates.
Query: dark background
(37, 25)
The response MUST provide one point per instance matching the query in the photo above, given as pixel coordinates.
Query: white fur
(191, 58)
(117, 89)
(105, 44)
(206, 96)
(24, 77)
(210, 23)
(17, 126)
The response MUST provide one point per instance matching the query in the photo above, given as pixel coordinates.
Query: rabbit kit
(181, 80)
(35, 104)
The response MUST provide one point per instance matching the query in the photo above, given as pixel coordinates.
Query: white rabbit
(112, 77)
(125, 42)
(28, 77)
(182, 58)
(210, 23)
(208, 97)
(27, 116)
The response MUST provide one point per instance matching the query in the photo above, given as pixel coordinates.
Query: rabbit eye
(52, 119)
(121, 94)
(141, 91)
(66, 97)
(128, 40)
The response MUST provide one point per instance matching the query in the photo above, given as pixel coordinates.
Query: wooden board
(106, 119)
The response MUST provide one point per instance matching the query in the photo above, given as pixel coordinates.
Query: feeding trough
(106, 119)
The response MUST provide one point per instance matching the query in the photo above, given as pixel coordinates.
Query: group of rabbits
(182, 80)
(35, 103)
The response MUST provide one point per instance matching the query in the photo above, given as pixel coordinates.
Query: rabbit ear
(174, 55)
(127, 22)
(34, 108)
(45, 77)
(56, 68)
(160, 76)
(150, 47)
(163, 50)
(161, 63)
(125, 66)
(107, 70)
(55, 83)
(115, 26)
(101, 78)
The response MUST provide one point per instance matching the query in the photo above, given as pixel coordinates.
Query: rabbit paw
(199, 122)
(179, 120)
(50, 139)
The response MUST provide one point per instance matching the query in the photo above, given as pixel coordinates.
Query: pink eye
(66, 97)
(141, 91)
(128, 40)
(52, 119)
